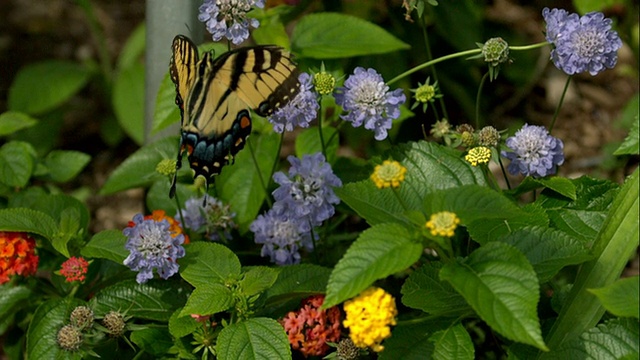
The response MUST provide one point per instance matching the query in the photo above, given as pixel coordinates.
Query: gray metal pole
(165, 19)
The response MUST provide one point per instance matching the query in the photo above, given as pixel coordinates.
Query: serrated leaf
(241, 186)
(425, 291)
(64, 165)
(17, 162)
(27, 220)
(333, 36)
(128, 101)
(180, 326)
(257, 279)
(49, 317)
(501, 286)
(155, 341)
(139, 169)
(42, 86)
(256, 338)
(410, 342)
(581, 224)
(206, 263)
(562, 186)
(631, 144)
(107, 244)
(208, 299)
(429, 167)
(300, 278)
(548, 250)
(14, 121)
(377, 253)
(308, 142)
(165, 112)
(615, 339)
(621, 297)
(153, 300)
(452, 343)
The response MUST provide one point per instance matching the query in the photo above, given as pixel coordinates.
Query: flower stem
(433, 69)
(98, 36)
(504, 173)
(555, 114)
(482, 81)
(262, 183)
(320, 118)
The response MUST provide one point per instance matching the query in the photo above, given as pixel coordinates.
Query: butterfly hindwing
(217, 94)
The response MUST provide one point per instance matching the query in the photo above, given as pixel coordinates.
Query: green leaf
(208, 299)
(14, 121)
(27, 220)
(630, 145)
(580, 224)
(308, 142)
(378, 252)
(548, 250)
(17, 161)
(615, 339)
(139, 169)
(128, 101)
(107, 244)
(425, 291)
(501, 286)
(585, 6)
(241, 186)
(453, 343)
(153, 300)
(621, 297)
(180, 326)
(333, 36)
(166, 111)
(257, 279)
(64, 165)
(562, 186)
(155, 341)
(133, 49)
(207, 263)
(410, 342)
(256, 338)
(429, 167)
(49, 317)
(42, 86)
(300, 278)
(12, 299)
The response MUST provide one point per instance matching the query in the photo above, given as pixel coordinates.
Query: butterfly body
(215, 96)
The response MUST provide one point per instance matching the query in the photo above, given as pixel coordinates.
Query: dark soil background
(32, 31)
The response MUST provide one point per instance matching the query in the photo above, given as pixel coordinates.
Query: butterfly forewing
(216, 95)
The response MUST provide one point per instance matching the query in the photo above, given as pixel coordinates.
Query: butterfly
(215, 97)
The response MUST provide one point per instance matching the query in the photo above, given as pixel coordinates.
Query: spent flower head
(310, 328)
(115, 323)
(74, 269)
(154, 242)
(81, 317)
(443, 223)
(478, 155)
(228, 18)
(209, 216)
(388, 174)
(69, 338)
(440, 129)
(366, 99)
(369, 317)
(17, 255)
(306, 194)
(495, 51)
(534, 152)
(300, 111)
(581, 44)
(281, 237)
(488, 136)
(347, 350)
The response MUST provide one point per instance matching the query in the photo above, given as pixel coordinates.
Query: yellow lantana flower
(478, 155)
(443, 223)
(369, 317)
(389, 174)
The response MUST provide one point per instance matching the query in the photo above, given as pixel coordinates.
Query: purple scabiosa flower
(300, 111)
(307, 193)
(581, 44)
(214, 219)
(535, 152)
(281, 237)
(228, 18)
(152, 245)
(367, 99)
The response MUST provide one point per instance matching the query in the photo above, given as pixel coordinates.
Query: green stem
(262, 183)
(98, 36)
(482, 81)
(555, 114)
(276, 160)
(504, 173)
(433, 69)
(320, 118)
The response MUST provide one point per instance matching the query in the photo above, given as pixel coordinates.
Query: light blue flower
(367, 100)
(535, 152)
(300, 111)
(581, 44)
(281, 237)
(214, 219)
(228, 18)
(307, 192)
(152, 246)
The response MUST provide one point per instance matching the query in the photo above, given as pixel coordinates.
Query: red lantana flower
(17, 255)
(74, 269)
(310, 328)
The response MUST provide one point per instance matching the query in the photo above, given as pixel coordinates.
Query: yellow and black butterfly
(215, 95)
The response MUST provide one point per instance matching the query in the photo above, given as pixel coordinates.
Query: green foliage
(620, 297)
